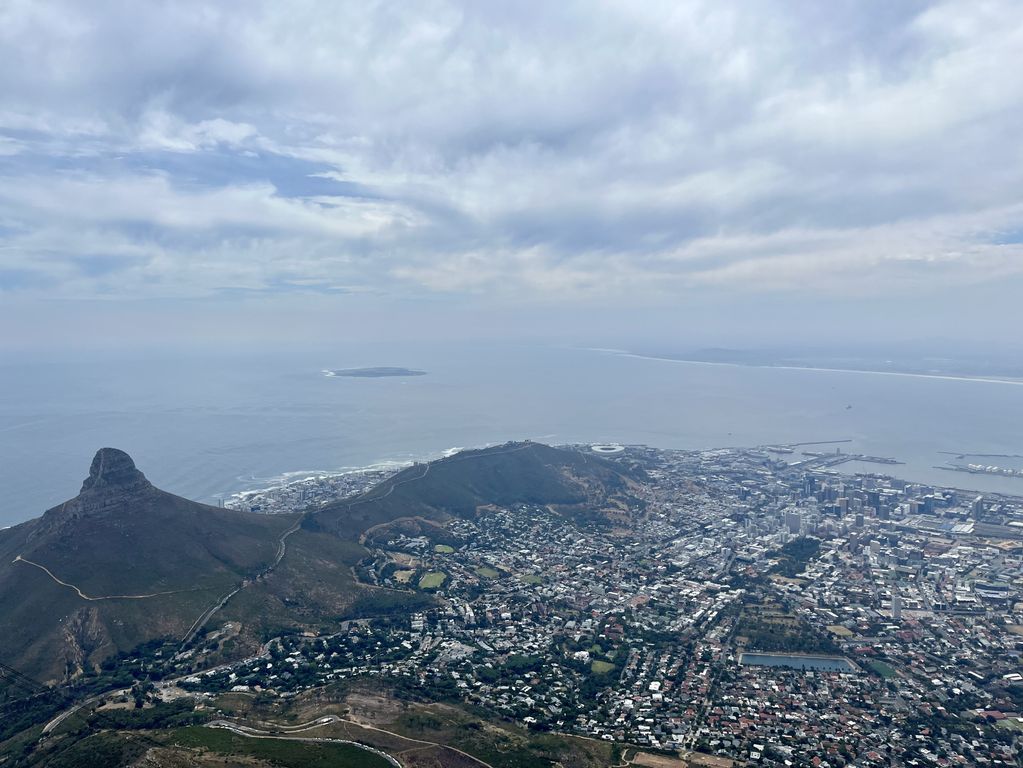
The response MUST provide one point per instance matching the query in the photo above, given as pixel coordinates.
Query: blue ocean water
(203, 425)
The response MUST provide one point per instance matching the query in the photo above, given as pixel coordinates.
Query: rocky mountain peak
(113, 470)
(113, 485)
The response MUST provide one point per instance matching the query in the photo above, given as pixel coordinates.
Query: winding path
(253, 733)
(81, 594)
(205, 616)
(365, 498)
(263, 733)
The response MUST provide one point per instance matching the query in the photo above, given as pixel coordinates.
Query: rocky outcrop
(120, 564)
(113, 470)
(84, 634)
(114, 483)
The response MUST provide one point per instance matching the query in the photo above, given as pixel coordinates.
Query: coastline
(346, 482)
(359, 476)
(865, 371)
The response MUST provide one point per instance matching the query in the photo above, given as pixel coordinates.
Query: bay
(205, 425)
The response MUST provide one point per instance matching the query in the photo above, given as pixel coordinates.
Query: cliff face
(113, 471)
(114, 485)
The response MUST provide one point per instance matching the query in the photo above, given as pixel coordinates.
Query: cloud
(542, 151)
(161, 130)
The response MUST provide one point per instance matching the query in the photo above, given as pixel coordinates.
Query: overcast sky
(718, 168)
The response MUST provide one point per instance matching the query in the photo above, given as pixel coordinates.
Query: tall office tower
(794, 521)
(977, 507)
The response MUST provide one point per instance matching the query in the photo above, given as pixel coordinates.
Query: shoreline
(864, 371)
(379, 471)
(376, 471)
(245, 489)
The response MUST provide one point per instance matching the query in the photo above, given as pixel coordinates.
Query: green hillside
(457, 486)
(136, 564)
(124, 563)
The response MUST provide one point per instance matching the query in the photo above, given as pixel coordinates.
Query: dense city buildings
(754, 605)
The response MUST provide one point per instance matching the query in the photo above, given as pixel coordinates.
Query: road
(366, 497)
(364, 500)
(205, 616)
(264, 653)
(68, 712)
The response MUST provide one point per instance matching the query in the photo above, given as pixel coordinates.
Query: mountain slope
(121, 563)
(529, 473)
(124, 563)
(314, 586)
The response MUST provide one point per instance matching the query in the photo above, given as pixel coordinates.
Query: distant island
(375, 373)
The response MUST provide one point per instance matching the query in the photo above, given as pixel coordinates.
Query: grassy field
(432, 580)
(100, 750)
(443, 549)
(1011, 724)
(599, 667)
(502, 745)
(881, 668)
(282, 752)
(531, 578)
(487, 572)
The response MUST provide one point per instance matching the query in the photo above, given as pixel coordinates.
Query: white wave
(605, 350)
(266, 484)
(946, 377)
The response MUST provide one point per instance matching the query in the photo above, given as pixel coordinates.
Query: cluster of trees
(17, 714)
(171, 714)
(795, 555)
(21, 706)
(798, 637)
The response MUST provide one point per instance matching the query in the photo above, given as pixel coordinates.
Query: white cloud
(159, 129)
(153, 200)
(644, 150)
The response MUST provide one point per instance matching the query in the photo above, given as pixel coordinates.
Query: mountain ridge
(124, 563)
(73, 581)
(507, 474)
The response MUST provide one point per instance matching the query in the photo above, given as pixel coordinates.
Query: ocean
(208, 425)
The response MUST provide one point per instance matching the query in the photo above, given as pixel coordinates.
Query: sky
(717, 172)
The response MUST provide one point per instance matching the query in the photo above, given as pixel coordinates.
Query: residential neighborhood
(756, 605)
